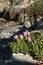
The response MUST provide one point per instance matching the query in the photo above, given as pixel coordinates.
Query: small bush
(28, 43)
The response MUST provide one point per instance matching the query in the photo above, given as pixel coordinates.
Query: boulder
(40, 24)
(27, 24)
(22, 57)
(10, 31)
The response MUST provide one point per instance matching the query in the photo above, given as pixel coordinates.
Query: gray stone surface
(9, 31)
(40, 23)
(27, 24)
(3, 4)
(22, 57)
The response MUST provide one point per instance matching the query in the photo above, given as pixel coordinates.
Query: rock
(17, 30)
(21, 18)
(40, 24)
(9, 23)
(9, 31)
(27, 24)
(2, 19)
(12, 14)
(4, 4)
(22, 57)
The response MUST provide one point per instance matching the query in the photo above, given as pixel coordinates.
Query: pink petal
(15, 37)
(24, 33)
(21, 36)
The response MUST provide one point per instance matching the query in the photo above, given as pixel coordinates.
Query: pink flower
(28, 33)
(24, 33)
(15, 37)
(38, 63)
(21, 36)
(29, 39)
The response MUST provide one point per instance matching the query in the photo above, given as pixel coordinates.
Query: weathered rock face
(27, 24)
(12, 14)
(40, 24)
(9, 31)
(4, 3)
(21, 18)
(22, 57)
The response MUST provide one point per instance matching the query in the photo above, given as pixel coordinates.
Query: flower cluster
(28, 42)
(21, 36)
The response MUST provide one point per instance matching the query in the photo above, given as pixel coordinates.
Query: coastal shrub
(28, 43)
